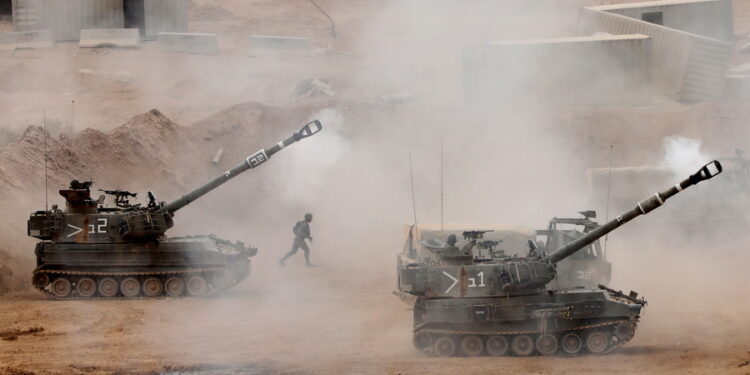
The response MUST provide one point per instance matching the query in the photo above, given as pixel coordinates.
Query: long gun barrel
(251, 161)
(645, 206)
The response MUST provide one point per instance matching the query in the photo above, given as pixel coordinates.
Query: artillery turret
(90, 250)
(500, 306)
(587, 267)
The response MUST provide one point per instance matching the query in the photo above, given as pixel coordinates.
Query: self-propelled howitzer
(90, 250)
(500, 306)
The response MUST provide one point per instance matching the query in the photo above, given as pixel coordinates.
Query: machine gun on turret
(475, 234)
(476, 240)
(121, 197)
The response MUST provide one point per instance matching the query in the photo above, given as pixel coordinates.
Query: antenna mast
(72, 115)
(413, 199)
(46, 198)
(609, 188)
(442, 217)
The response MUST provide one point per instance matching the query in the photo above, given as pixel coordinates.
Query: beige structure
(624, 54)
(67, 18)
(94, 38)
(26, 40)
(205, 44)
(709, 18)
(278, 42)
(686, 66)
(165, 16)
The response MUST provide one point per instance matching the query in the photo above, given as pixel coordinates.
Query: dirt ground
(341, 317)
(326, 321)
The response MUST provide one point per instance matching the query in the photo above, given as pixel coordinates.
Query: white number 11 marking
(473, 281)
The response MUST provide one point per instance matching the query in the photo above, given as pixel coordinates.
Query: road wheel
(572, 343)
(40, 279)
(108, 287)
(196, 286)
(546, 344)
(497, 346)
(86, 287)
(597, 342)
(445, 347)
(472, 345)
(61, 287)
(624, 331)
(423, 341)
(522, 345)
(152, 287)
(130, 287)
(174, 286)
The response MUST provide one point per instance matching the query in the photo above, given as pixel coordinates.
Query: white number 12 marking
(101, 228)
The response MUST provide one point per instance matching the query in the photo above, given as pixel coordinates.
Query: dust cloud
(683, 154)
(518, 164)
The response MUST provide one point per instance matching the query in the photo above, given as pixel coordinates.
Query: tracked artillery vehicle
(500, 305)
(89, 250)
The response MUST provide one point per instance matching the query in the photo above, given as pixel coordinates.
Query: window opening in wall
(653, 17)
(6, 10)
(135, 15)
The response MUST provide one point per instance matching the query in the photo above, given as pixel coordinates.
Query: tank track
(429, 344)
(73, 277)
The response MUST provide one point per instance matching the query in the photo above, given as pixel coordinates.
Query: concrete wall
(26, 39)
(24, 15)
(737, 87)
(710, 18)
(207, 44)
(567, 71)
(93, 38)
(67, 18)
(165, 16)
(278, 42)
(687, 66)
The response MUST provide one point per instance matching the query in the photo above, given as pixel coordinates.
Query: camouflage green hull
(95, 250)
(174, 267)
(569, 323)
(497, 304)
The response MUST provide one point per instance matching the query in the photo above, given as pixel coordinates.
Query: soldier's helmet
(451, 240)
(308, 217)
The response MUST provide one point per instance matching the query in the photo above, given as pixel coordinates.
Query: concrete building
(684, 64)
(625, 53)
(66, 18)
(708, 18)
